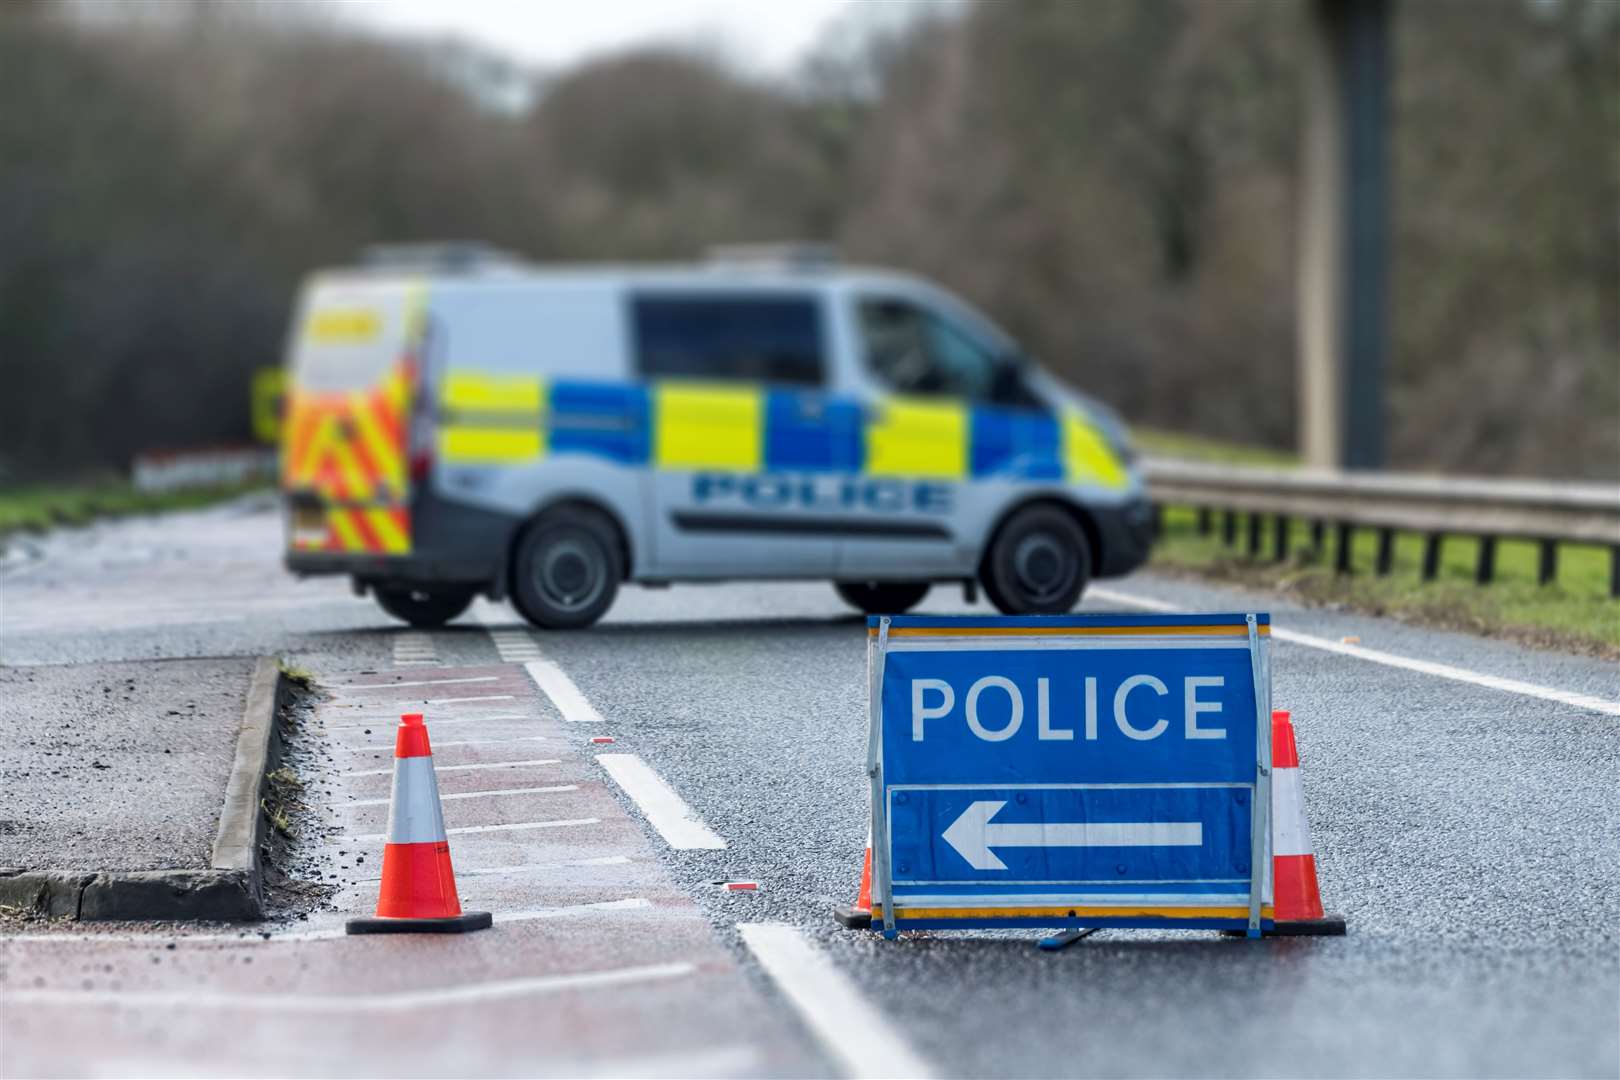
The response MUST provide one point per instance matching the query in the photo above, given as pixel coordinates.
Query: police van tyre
(423, 608)
(882, 597)
(1038, 564)
(566, 570)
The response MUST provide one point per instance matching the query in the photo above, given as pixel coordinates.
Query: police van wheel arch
(1039, 561)
(567, 566)
(882, 597)
(423, 607)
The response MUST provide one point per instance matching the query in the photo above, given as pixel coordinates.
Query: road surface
(1461, 794)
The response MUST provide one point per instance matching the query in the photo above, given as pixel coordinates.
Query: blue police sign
(1094, 770)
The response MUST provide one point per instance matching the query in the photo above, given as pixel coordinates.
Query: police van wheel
(882, 597)
(423, 608)
(566, 570)
(1038, 564)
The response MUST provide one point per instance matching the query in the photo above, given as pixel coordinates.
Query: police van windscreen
(348, 335)
(746, 338)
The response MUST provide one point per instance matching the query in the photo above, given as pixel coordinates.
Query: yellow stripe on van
(477, 392)
(1087, 457)
(464, 445)
(708, 426)
(343, 326)
(387, 531)
(918, 439)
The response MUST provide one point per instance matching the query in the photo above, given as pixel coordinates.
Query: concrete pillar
(1343, 235)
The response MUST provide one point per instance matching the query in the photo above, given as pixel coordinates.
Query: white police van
(460, 423)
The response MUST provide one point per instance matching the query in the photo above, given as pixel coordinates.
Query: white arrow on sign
(973, 836)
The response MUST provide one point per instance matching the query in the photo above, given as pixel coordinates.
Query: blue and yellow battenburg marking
(489, 419)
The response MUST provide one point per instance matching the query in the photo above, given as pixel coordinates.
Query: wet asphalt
(1468, 834)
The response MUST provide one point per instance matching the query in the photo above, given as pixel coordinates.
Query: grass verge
(1574, 612)
(34, 509)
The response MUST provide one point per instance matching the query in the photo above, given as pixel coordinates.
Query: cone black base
(456, 924)
(1326, 926)
(854, 918)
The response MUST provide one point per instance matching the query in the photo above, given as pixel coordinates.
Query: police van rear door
(750, 453)
(346, 438)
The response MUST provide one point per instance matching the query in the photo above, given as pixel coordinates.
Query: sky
(764, 36)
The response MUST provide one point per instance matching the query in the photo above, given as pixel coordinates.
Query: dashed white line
(458, 768)
(675, 821)
(848, 1025)
(558, 824)
(1377, 656)
(413, 649)
(414, 682)
(321, 1004)
(557, 686)
(473, 794)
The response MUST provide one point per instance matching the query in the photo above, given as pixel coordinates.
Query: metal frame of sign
(1143, 630)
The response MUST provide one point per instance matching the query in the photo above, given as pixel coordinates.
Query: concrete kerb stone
(231, 889)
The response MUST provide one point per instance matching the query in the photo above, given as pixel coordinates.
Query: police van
(461, 423)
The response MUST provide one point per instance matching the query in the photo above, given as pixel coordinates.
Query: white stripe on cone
(1290, 832)
(414, 815)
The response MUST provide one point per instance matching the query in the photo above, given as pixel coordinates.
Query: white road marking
(1378, 656)
(557, 686)
(532, 868)
(442, 745)
(161, 941)
(515, 646)
(848, 1025)
(413, 649)
(321, 1004)
(471, 795)
(415, 682)
(495, 828)
(485, 697)
(458, 768)
(356, 725)
(675, 821)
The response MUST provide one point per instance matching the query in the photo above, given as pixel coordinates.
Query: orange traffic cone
(418, 894)
(1296, 896)
(859, 917)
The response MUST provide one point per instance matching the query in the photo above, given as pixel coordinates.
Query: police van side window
(763, 339)
(914, 351)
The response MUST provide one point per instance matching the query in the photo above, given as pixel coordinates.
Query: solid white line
(470, 795)
(442, 745)
(404, 1001)
(675, 821)
(848, 1025)
(415, 682)
(159, 941)
(454, 700)
(1377, 656)
(495, 828)
(557, 686)
(457, 768)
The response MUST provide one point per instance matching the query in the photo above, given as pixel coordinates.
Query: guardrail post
(1431, 555)
(1279, 537)
(1614, 573)
(1547, 571)
(1386, 551)
(1318, 538)
(1156, 520)
(1255, 523)
(1346, 539)
(1205, 524)
(1229, 527)
(1485, 569)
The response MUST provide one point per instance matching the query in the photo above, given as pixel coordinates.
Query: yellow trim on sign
(917, 438)
(482, 445)
(1087, 457)
(1067, 631)
(708, 426)
(904, 913)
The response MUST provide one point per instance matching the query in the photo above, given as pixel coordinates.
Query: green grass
(34, 509)
(1573, 612)
(1197, 448)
